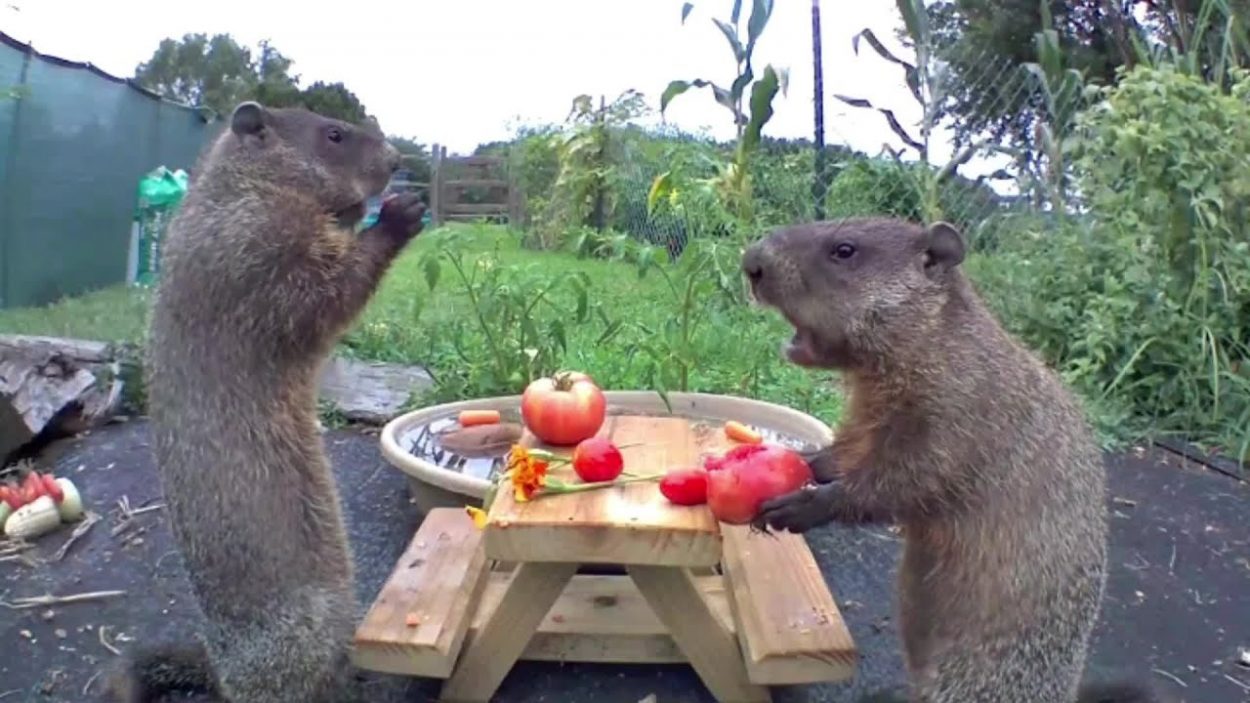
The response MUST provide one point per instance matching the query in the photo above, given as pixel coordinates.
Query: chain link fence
(76, 142)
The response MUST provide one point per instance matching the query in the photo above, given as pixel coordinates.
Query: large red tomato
(740, 481)
(564, 409)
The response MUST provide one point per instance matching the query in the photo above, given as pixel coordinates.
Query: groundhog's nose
(753, 263)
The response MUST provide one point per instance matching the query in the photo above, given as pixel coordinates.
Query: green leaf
(660, 188)
(762, 93)
(740, 83)
(558, 333)
(731, 35)
(916, 20)
(431, 268)
(761, 10)
(869, 36)
(889, 116)
(685, 11)
(736, 13)
(676, 88)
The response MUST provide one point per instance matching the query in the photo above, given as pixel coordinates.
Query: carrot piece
(741, 433)
(469, 418)
(412, 620)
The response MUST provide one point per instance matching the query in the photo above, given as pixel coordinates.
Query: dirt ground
(1176, 613)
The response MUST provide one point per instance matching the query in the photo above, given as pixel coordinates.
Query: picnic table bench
(746, 610)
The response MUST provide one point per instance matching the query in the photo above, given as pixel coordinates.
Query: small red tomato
(685, 486)
(30, 494)
(52, 489)
(11, 495)
(32, 487)
(597, 459)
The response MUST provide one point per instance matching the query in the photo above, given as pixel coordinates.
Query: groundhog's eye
(335, 135)
(844, 251)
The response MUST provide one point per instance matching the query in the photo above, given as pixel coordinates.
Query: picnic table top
(628, 524)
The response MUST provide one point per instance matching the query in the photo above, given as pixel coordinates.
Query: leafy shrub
(1148, 307)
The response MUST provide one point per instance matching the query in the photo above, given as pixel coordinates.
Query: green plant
(589, 153)
(514, 330)
(732, 180)
(1145, 306)
(926, 81)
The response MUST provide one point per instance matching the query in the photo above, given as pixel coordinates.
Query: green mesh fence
(76, 144)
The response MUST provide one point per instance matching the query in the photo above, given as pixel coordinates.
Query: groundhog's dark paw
(401, 216)
(799, 511)
(823, 464)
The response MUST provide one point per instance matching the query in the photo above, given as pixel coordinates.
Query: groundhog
(262, 271)
(963, 437)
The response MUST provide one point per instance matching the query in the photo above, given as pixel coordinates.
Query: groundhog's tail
(149, 673)
(1117, 692)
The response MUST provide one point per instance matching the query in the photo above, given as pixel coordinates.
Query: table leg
(486, 660)
(712, 651)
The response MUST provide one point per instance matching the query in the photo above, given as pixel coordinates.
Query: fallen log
(52, 387)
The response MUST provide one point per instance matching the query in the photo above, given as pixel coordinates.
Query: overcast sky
(462, 72)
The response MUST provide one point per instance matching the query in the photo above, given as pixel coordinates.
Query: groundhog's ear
(248, 119)
(944, 246)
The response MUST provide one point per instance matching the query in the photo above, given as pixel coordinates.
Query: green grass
(736, 349)
(116, 314)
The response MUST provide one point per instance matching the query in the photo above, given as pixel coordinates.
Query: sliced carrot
(741, 433)
(412, 620)
(469, 418)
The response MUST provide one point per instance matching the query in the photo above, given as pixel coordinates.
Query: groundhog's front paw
(401, 216)
(824, 466)
(799, 511)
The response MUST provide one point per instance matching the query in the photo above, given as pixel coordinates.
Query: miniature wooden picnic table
(745, 609)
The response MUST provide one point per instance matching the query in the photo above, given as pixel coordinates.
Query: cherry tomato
(685, 486)
(597, 459)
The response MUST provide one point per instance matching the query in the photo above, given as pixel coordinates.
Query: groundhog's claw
(799, 511)
(401, 216)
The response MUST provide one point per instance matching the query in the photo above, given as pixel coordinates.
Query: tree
(214, 72)
(219, 73)
(986, 43)
(334, 100)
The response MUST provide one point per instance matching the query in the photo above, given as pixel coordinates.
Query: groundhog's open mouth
(802, 348)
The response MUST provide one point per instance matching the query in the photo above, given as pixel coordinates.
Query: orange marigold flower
(527, 473)
(478, 515)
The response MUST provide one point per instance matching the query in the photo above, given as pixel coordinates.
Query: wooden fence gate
(473, 188)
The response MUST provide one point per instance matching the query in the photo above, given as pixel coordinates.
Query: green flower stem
(556, 486)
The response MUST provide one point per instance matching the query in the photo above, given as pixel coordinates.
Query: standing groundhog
(262, 273)
(958, 433)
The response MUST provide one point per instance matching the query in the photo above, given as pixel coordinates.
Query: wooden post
(436, 186)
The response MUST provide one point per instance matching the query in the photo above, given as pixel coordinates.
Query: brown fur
(261, 275)
(957, 432)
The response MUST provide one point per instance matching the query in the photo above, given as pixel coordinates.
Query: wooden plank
(628, 524)
(437, 580)
(603, 619)
(534, 588)
(469, 218)
(789, 627)
(712, 650)
(477, 160)
(476, 208)
(476, 183)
